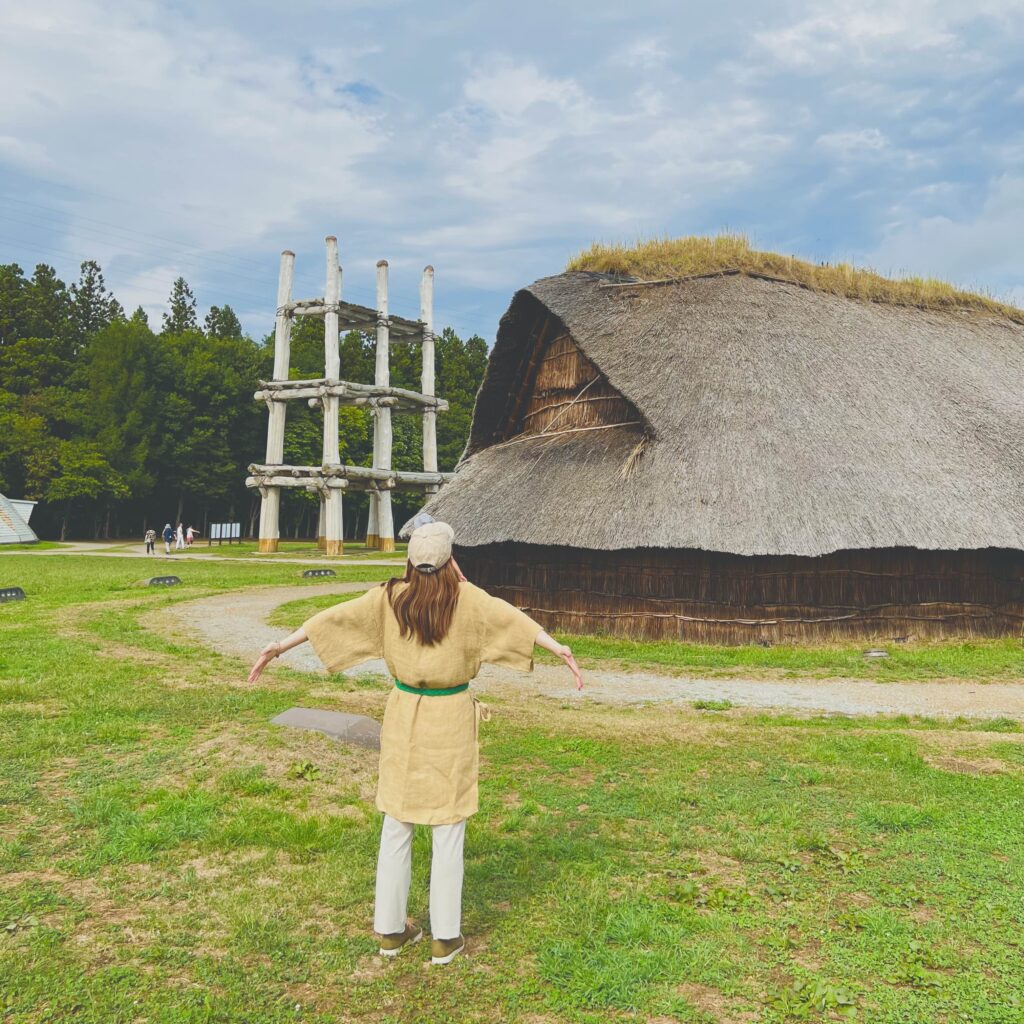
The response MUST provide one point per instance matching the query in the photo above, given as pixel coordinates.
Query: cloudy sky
(496, 139)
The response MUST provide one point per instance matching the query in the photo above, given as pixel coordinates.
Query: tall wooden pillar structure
(332, 478)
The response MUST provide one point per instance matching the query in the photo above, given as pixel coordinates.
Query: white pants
(394, 873)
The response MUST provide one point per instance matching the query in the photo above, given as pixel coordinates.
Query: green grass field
(246, 548)
(166, 857)
(40, 545)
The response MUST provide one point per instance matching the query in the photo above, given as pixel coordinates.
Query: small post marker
(319, 572)
(164, 581)
(11, 594)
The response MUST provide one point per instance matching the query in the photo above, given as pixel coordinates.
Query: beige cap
(430, 546)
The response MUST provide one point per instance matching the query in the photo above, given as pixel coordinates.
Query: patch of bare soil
(968, 765)
(12, 879)
(722, 1008)
(721, 868)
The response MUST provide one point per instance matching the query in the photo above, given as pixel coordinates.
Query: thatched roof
(781, 420)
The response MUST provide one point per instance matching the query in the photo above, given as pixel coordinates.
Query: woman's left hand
(566, 655)
(267, 655)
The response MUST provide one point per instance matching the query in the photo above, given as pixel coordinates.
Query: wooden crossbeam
(352, 474)
(353, 317)
(348, 393)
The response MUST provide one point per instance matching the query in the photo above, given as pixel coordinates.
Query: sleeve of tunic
(348, 633)
(507, 635)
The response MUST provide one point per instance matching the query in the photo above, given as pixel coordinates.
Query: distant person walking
(190, 535)
(434, 630)
(168, 536)
(150, 541)
(180, 539)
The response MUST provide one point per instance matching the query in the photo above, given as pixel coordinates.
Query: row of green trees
(114, 427)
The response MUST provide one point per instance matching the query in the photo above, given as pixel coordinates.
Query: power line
(184, 258)
(213, 253)
(143, 274)
(244, 264)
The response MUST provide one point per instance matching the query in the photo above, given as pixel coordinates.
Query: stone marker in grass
(11, 594)
(309, 573)
(356, 729)
(165, 581)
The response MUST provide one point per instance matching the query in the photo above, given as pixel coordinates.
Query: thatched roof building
(14, 517)
(737, 457)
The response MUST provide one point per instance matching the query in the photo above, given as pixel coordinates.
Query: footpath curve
(235, 624)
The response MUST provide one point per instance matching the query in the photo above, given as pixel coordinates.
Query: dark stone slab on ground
(357, 729)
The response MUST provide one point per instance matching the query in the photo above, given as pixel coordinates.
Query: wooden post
(270, 506)
(333, 529)
(382, 430)
(321, 525)
(427, 386)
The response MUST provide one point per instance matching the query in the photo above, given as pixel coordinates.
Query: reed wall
(568, 392)
(700, 596)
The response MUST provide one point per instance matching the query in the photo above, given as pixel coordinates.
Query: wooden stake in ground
(382, 414)
(427, 384)
(270, 506)
(332, 504)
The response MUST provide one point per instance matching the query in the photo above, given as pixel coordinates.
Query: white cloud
(164, 138)
(849, 33)
(851, 143)
(218, 140)
(647, 53)
(507, 91)
(24, 153)
(834, 33)
(971, 250)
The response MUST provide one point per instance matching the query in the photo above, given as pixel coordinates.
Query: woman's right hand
(549, 643)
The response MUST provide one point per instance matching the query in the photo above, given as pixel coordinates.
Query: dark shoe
(444, 951)
(392, 945)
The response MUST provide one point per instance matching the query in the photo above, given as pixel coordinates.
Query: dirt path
(236, 624)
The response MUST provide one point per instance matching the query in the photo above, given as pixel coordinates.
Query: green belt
(428, 692)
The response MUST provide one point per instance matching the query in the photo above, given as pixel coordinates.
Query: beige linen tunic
(429, 752)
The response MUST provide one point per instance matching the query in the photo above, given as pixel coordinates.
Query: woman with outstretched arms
(434, 630)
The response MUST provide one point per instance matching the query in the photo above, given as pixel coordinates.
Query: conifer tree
(12, 302)
(139, 317)
(47, 305)
(92, 306)
(221, 322)
(181, 314)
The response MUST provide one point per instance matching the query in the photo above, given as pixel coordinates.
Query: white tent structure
(14, 517)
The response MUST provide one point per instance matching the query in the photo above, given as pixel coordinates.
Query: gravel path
(236, 624)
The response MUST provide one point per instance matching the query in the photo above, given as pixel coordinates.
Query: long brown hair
(425, 606)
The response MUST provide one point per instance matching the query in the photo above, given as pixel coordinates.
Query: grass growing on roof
(669, 258)
(167, 855)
